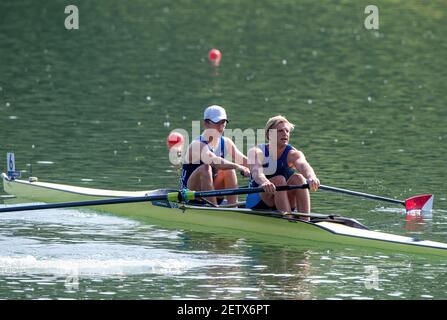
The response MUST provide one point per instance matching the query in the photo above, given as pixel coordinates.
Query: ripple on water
(37, 245)
(104, 252)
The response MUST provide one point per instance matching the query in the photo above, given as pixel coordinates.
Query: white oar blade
(422, 202)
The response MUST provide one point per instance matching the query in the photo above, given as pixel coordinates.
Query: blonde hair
(273, 121)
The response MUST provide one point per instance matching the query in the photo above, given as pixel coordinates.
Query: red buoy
(214, 56)
(175, 139)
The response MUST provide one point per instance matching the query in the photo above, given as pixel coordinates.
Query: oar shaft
(175, 196)
(227, 192)
(361, 194)
(82, 203)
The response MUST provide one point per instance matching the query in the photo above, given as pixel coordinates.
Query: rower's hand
(268, 187)
(244, 171)
(314, 184)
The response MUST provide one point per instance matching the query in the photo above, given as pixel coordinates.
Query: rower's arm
(217, 162)
(236, 155)
(255, 157)
(198, 151)
(300, 163)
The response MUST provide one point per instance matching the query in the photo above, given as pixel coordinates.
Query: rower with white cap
(204, 165)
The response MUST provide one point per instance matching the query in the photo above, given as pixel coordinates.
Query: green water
(93, 107)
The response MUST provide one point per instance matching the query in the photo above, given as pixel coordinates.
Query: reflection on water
(81, 254)
(45, 247)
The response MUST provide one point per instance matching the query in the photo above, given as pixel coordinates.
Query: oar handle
(228, 192)
(361, 194)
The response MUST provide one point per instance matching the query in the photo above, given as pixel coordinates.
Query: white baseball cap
(215, 113)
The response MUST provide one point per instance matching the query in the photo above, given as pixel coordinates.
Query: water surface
(92, 107)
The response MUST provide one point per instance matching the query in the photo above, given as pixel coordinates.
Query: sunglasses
(219, 122)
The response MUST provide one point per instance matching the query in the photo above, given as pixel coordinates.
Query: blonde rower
(278, 163)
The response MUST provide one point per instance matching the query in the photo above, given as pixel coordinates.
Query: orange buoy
(175, 139)
(215, 56)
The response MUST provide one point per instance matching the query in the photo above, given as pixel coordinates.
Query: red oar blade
(422, 202)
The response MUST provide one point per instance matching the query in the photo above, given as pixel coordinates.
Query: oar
(175, 196)
(422, 202)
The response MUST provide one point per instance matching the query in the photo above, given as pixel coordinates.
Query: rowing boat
(265, 225)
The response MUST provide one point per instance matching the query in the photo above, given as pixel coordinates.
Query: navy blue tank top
(282, 166)
(188, 168)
